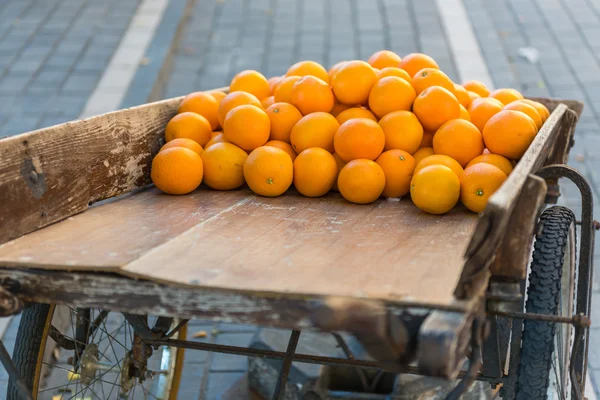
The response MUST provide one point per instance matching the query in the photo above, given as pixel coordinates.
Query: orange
(177, 170)
(283, 91)
(233, 100)
(402, 130)
(359, 138)
(440, 159)
(218, 95)
(252, 82)
(428, 77)
(267, 101)
(201, 103)
(398, 167)
(310, 94)
(224, 166)
(462, 95)
(273, 82)
(506, 96)
(509, 133)
(464, 114)
(541, 109)
(338, 108)
(283, 117)
(340, 164)
(458, 139)
(391, 94)
(334, 69)
(384, 58)
(486, 151)
(473, 96)
(527, 109)
(355, 112)
(435, 189)
(218, 138)
(477, 87)
(361, 181)
(427, 139)
(434, 106)
(353, 82)
(481, 110)
(215, 133)
(377, 71)
(184, 142)
(283, 146)
(314, 130)
(415, 62)
(315, 172)
(247, 127)
(392, 71)
(304, 68)
(495, 159)
(478, 183)
(269, 171)
(422, 153)
(189, 125)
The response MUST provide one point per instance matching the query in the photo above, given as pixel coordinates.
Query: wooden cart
(81, 227)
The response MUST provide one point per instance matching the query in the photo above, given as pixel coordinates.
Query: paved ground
(53, 53)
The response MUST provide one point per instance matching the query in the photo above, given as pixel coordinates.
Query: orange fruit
(495, 159)
(340, 164)
(252, 82)
(218, 95)
(304, 68)
(269, 171)
(177, 170)
(464, 114)
(422, 153)
(486, 151)
(283, 117)
(201, 103)
(509, 133)
(189, 125)
(315, 171)
(361, 181)
(428, 77)
(215, 133)
(283, 146)
(392, 71)
(477, 87)
(541, 109)
(435, 189)
(398, 167)
(218, 138)
(310, 94)
(338, 108)
(283, 91)
(477, 183)
(506, 96)
(527, 109)
(383, 59)
(434, 106)
(402, 130)
(224, 166)
(481, 110)
(473, 96)
(355, 112)
(184, 142)
(462, 95)
(359, 138)
(314, 130)
(247, 127)
(233, 100)
(334, 69)
(440, 159)
(353, 82)
(273, 82)
(391, 94)
(427, 139)
(267, 101)
(458, 139)
(415, 62)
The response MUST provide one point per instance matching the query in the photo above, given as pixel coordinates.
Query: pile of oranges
(387, 127)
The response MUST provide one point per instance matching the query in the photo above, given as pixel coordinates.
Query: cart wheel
(543, 371)
(103, 366)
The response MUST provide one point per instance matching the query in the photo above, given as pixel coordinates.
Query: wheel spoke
(101, 329)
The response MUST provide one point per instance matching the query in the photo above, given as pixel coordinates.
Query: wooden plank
(50, 174)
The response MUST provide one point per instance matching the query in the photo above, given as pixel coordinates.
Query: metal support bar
(279, 393)
(361, 374)
(14, 375)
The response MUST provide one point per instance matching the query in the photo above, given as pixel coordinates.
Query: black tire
(27, 348)
(543, 295)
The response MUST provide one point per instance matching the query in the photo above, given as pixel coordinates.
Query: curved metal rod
(585, 271)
